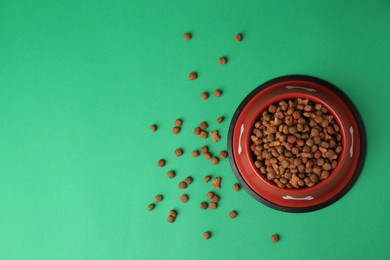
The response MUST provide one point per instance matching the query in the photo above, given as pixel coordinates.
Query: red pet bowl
(350, 161)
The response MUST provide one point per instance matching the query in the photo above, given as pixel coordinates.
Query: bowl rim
(362, 152)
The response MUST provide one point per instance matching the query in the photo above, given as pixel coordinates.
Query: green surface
(80, 83)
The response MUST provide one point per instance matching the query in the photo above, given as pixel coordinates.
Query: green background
(82, 81)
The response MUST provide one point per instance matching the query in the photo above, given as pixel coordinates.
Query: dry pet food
(203, 125)
(150, 206)
(193, 76)
(233, 214)
(207, 235)
(210, 195)
(158, 198)
(171, 174)
(296, 143)
(215, 136)
(238, 37)
(153, 128)
(204, 95)
(236, 187)
(197, 130)
(217, 93)
(182, 185)
(178, 122)
(203, 205)
(179, 152)
(184, 198)
(204, 149)
(175, 130)
(222, 60)
(217, 183)
(161, 163)
(220, 119)
(203, 134)
(213, 205)
(195, 153)
(207, 155)
(223, 154)
(275, 238)
(214, 160)
(189, 180)
(207, 178)
(173, 213)
(187, 36)
(215, 198)
(171, 219)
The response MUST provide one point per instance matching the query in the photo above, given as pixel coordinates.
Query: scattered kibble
(214, 160)
(220, 119)
(178, 122)
(203, 125)
(171, 174)
(215, 136)
(184, 198)
(197, 130)
(171, 219)
(238, 37)
(210, 195)
(153, 128)
(179, 152)
(217, 183)
(215, 198)
(275, 238)
(195, 153)
(182, 185)
(213, 205)
(204, 95)
(175, 130)
(173, 213)
(158, 198)
(223, 154)
(207, 235)
(222, 60)
(207, 155)
(150, 206)
(207, 178)
(161, 163)
(193, 76)
(233, 214)
(187, 36)
(203, 134)
(236, 187)
(217, 93)
(189, 180)
(203, 205)
(204, 149)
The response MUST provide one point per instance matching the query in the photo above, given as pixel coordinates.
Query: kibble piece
(150, 206)
(207, 235)
(207, 178)
(178, 122)
(203, 134)
(175, 130)
(217, 183)
(203, 205)
(161, 163)
(223, 154)
(222, 60)
(204, 149)
(189, 180)
(158, 198)
(173, 213)
(214, 160)
(179, 152)
(203, 125)
(217, 93)
(193, 76)
(220, 119)
(233, 214)
(171, 174)
(153, 128)
(207, 155)
(215, 198)
(239, 37)
(275, 238)
(210, 195)
(182, 185)
(184, 198)
(213, 205)
(197, 130)
(236, 187)
(204, 95)
(171, 219)
(215, 136)
(187, 36)
(195, 153)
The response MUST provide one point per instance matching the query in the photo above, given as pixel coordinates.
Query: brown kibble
(171, 174)
(171, 219)
(213, 205)
(215, 136)
(195, 153)
(223, 154)
(182, 185)
(203, 125)
(175, 130)
(207, 155)
(193, 76)
(173, 213)
(239, 37)
(203, 134)
(153, 128)
(215, 198)
(204, 149)
(274, 238)
(187, 36)
(204, 95)
(184, 198)
(217, 93)
(222, 60)
(236, 187)
(189, 180)
(207, 178)
(179, 152)
(150, 206)
(161, 163)
(220, 119)
(204, 205)
(207, 235)
(214, 160)
(158, 198)
(197, 130)
(233, 214)
(178, 122)
(210, 195)
(217, 183)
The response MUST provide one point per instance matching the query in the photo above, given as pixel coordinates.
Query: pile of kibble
(296, 143)
(202, 131)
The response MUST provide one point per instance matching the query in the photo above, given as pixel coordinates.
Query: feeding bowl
(350, 161)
